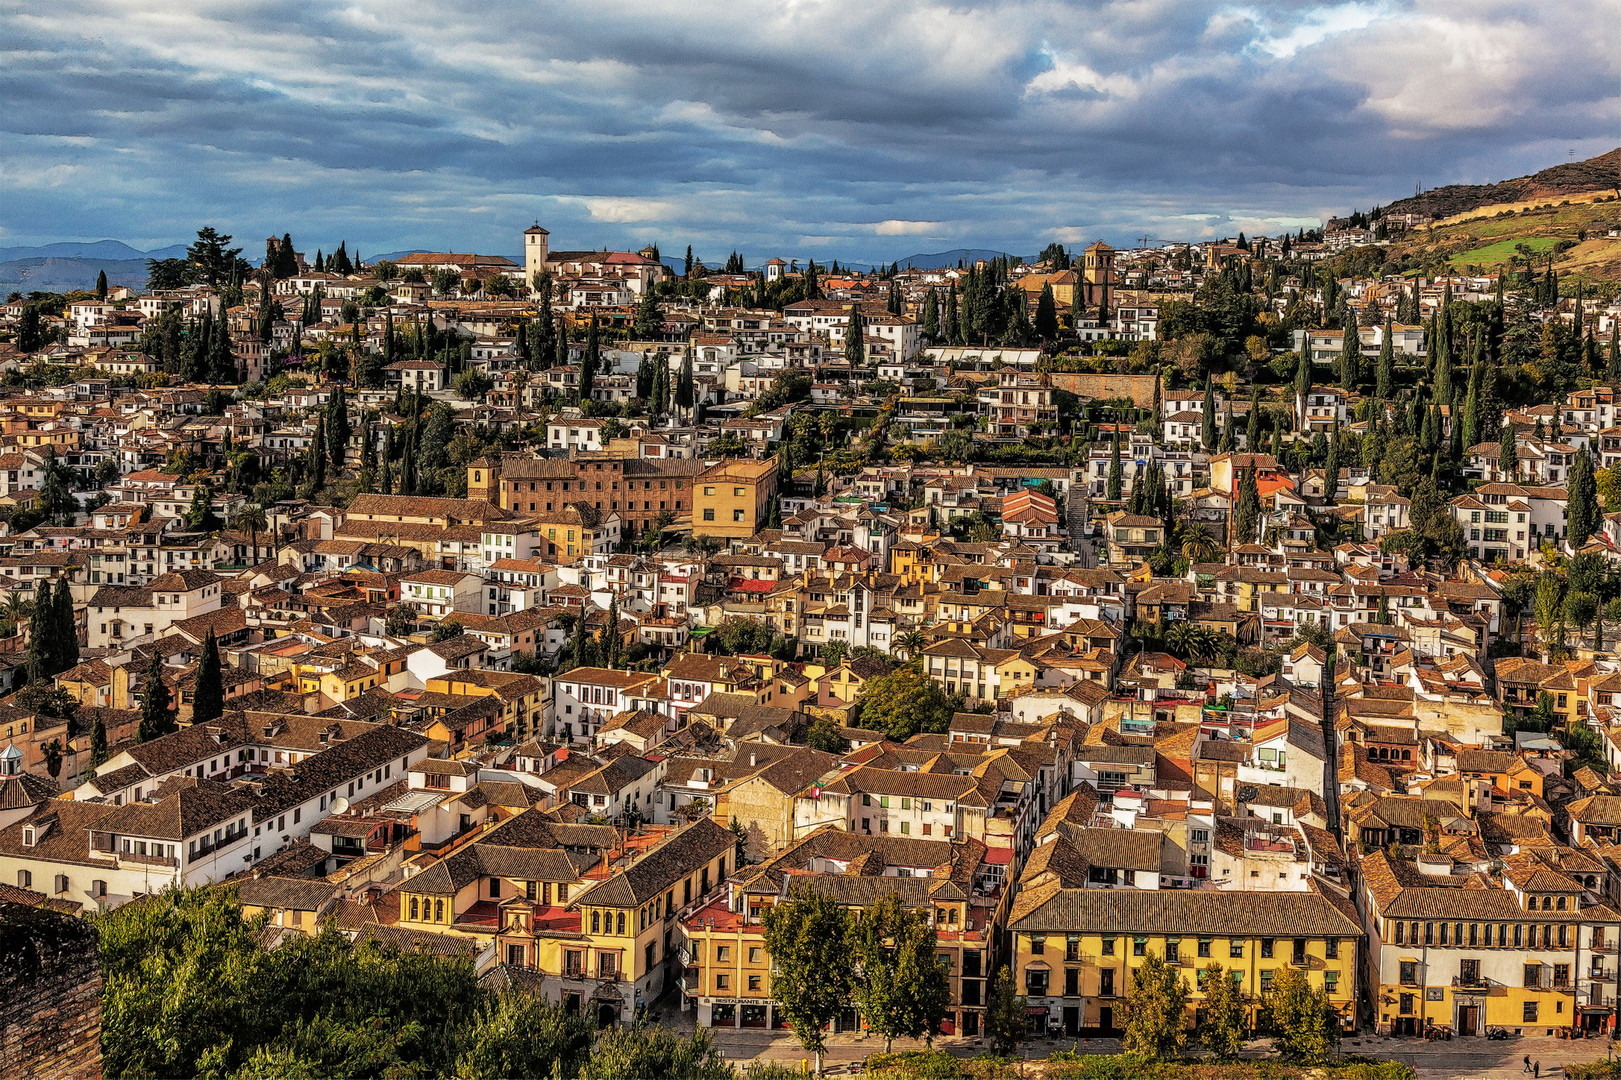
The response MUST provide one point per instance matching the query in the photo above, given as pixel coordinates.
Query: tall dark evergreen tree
(685, 391)
(1207, 417)
(1115, 478)
(157, 713)
(1385, 377)
(588, 363)
(337, 428)
(855, 352)
(1047, 314)
(1582, 511)
(67, 628)
(208, 693)
(43, 628)
(101, 284)
(1247, 509)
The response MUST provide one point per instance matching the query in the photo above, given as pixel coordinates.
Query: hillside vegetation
(1573, 233)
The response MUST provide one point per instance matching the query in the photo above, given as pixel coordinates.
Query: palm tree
(910, 642)
(1198, 546)
(252, 518)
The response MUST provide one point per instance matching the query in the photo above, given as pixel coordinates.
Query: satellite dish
(339, 806)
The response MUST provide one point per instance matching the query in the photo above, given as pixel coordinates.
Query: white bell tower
(534, 252)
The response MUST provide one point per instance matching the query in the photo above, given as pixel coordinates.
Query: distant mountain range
(68, 266)
(945, 259)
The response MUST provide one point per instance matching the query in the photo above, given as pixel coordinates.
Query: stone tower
(1097, 274)
(534, 252)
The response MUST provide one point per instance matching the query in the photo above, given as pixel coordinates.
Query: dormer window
(28, 836)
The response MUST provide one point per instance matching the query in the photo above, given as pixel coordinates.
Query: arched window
(621, 922)
(596, 922)
(1561, 904)
(1407, 755)
(1384, 754)
(1547, 903)
(1373, 755)
(439, 910)
(413, 909)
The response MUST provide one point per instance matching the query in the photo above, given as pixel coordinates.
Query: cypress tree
(1471, 412)
(855, 353)
(67, 628)
(1115, 478)
(1247, 509)
(157, 716)
(101, 284)
(1227, 432)
(43, 629)
(1582, 514)
(588, 363)
(337, 428)
(1387, 360)
(1207, 421)
(685, 391)
(931, 318)
(98, 743)
(1303, 372)
(1614, 371)
(1331, 468)
(1350, 352)
(1252, 434)
(1046, 314)
(1508, 462)
(562, 348)
(208, 692)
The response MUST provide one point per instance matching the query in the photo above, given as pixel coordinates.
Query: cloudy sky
(857, 129)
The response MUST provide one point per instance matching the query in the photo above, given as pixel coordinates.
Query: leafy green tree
(522, 1035)
(1305, 1025)
(1156, 1010)
(808, 937)
(649, 318)
(1222, 1029)
(208, 694)
(157, 714)
(200, 515)
(903, 703)
(634, 1051)
(824, 735)
(1005, 1015)
(902, 989)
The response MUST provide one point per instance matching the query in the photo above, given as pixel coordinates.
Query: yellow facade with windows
(733, 499)
(1074, 951)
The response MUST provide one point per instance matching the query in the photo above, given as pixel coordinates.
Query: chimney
(751, 759)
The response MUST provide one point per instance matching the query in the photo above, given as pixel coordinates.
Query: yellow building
(733, 498)
(1533, 952)
(728, 975)
(622, 951)
(1074, 950)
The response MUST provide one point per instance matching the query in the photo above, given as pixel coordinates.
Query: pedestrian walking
(1527, 1064)
(1536, 1068)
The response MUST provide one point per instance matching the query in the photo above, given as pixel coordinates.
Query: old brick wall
(50, 995)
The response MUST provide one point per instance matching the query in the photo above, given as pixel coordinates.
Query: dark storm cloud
(857, 128)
